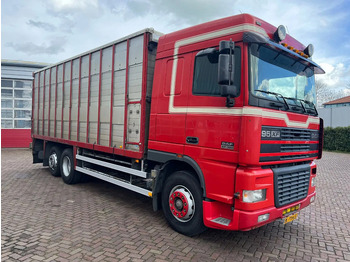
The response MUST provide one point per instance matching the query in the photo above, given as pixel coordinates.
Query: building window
(16, 103)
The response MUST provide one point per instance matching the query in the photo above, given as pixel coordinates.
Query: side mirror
(226, 63)
(226, 72)
(231, 91)
(225, 69)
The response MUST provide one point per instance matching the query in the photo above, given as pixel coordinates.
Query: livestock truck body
(216, 123)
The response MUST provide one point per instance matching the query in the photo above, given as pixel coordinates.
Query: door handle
(191, 140)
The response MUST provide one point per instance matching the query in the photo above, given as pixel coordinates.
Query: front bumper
(245, 220)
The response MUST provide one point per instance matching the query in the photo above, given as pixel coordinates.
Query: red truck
(216, 123)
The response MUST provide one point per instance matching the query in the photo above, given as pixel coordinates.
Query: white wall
(335, 116)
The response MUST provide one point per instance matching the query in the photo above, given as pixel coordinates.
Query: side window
(205, 79)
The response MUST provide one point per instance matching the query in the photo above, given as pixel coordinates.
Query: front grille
(286, 140)
(295, 147)
(294, 157)
(291, 184)
(295, 134)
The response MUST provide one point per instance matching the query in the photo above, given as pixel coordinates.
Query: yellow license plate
(290, 218)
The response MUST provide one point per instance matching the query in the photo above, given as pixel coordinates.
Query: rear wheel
(182, 203)
(54, 161)
(68, 173)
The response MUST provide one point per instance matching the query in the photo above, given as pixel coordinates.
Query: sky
(53, 30)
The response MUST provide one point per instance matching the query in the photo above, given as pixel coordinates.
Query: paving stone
(44, 219)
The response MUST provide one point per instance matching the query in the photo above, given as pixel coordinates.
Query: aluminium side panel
(52, 100)
(105, 104)
(74, 106)
(103, 108)
(119, 95)
(66, 99)
(83, 107)
(46, 102)
(59, 102)
(41, 103)
(135, 68)
(135, 77)
(94, 93)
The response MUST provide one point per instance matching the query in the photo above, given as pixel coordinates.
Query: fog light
(280, 33)
(309, 50)
(312, 199)
(252, 196)
(313, 181)
(263, 217)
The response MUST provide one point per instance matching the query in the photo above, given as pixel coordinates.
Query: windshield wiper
(296, 99)
(313, 110)
(276, 95)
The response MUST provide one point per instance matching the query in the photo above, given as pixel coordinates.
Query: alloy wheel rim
(66, 166)
(181, 203)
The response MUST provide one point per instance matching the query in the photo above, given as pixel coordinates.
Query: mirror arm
(230, 60)
(230, 101)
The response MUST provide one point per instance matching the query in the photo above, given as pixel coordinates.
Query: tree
(321, 90)
(320, 85)
(348, 85)
(325, 94)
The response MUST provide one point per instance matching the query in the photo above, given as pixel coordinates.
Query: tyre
(182, 203)
(54, 161)
(68, 173)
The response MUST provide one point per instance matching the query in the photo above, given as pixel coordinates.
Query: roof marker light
(280, 33)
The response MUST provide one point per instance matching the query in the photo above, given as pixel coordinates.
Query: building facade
(16, 102)
(336, 113)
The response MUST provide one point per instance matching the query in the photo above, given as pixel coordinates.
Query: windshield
(281, 79)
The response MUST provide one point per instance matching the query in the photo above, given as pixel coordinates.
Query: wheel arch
(170, 163)
(48, 146)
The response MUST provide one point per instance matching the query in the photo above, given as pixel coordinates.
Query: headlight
(252, 196)
(313, 181)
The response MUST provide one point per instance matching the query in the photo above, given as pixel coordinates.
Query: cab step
(221, 221)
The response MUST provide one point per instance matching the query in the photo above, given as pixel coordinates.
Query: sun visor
(251, 37)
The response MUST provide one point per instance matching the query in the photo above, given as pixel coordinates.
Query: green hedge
(337, 139)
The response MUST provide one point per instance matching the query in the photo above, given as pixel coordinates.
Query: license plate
(290, 218)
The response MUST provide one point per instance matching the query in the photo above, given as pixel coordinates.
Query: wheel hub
(66, 166)
(53, 161)
(181, 203)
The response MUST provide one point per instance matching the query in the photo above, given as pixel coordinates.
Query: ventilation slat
(292, 186)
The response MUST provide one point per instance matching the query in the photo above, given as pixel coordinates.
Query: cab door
(209, 123)
(212, 129)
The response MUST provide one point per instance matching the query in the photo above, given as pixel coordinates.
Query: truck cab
(234, 107)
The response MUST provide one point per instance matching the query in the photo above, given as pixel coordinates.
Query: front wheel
(69, 175)
(182, 203)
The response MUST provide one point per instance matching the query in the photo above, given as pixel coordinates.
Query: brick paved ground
(44, 219)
